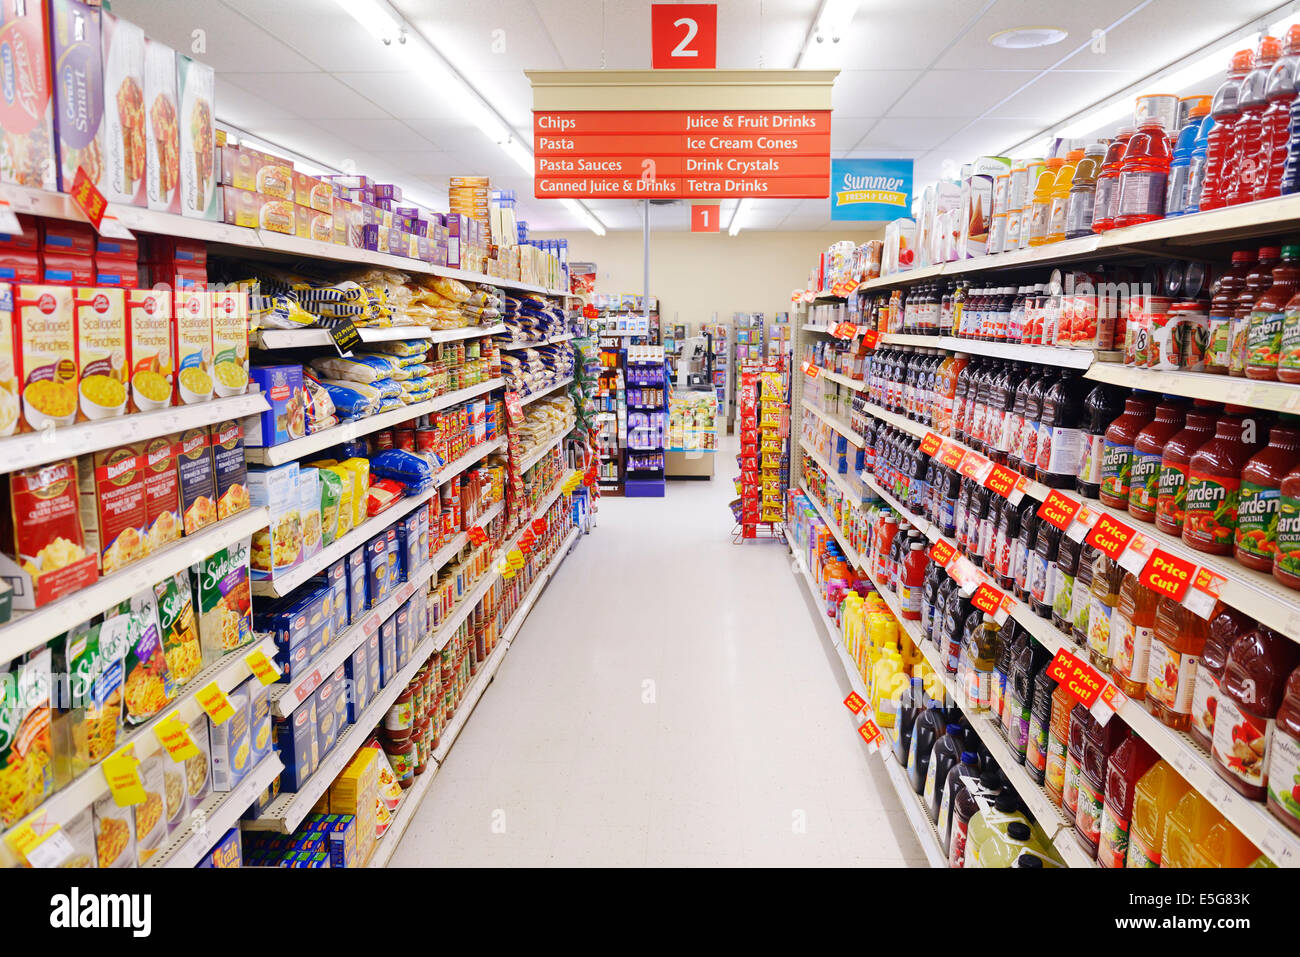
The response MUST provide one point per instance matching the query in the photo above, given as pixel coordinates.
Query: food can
(1162, 345)
(1193, 334)
(404, 439)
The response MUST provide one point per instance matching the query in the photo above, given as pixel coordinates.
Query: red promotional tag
(930, 444)
(514, 409)
(971, 464)
(476, 535)
(871, 339)
(854, 702)
(539, 525)
(952, 455)
(1002, 480)
(1079, 679)
(942, 553)
(1167, 575)
(809, 369)
(987, 599)
(1110, 536)
(870, 734)
(1058, 510)
(844, 330)
(88, 198)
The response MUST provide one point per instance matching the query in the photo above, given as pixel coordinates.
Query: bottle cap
(1007, 802)
(1241, 62)
(1018, 831)
(953, 729)
(968, 757)
(1029, 860)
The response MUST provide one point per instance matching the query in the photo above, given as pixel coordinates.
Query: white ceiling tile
(988, 137)
(403, 95)
(859, 93)
(847, 131)
(245, 109)
(896, 34)
(313, 95)
(1078, 20)
(383, 135)
(958, 93)
(907, 133)
(319, 30)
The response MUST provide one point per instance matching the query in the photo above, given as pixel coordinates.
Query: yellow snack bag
(360, 469)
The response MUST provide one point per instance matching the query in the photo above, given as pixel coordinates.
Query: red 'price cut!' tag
(1110, 536)
(844, 330)
(1002, 480)
(809, 369)
(942, 553)
(930, 444)
(871, 339)
(1166, 575)
(987, 599)
(1079, 679)
(952, 455)
(854, 702)
(870, 734)
(1058, 510)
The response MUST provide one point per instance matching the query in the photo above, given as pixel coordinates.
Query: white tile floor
(670, 701)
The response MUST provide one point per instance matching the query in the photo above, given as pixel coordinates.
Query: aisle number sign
(705, 217)
(684, 36)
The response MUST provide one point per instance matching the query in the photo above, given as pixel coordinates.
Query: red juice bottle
(1144, 175)
(913, 576)
(1107, 193)
(1214, 485)
(1255, 543)
(1224, 108)
(1274, 132)
(1132, 759)
(1243, 155)
(1099, 743)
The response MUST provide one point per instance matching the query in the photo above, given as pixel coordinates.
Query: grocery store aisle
(670, 701)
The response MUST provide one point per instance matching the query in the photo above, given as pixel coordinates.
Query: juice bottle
(1058, 737)
(1099, 742)
(1107, 575)
(1023, 545)
(1148, 449)
(1144, 175)
(929, 725)
(1196, 175)
(1061, 435)
(1157, 793)
(1241, 161)
(1061, 196)
(946, 752)
(1033, 658)
(1274, 141)
(964, 809)
(1177, 644)
(981, 649)
(987, 822)
(1117, 450)
(1019, 640)
(1040, 718)
(1129, 762)
(1226, 290)
(1003, 644)
(1102, 404)
(1042, 563)
(1226, 626)
(1214, 485)
(1193, 109)
(968, 766)
(1286, 559)
(1224, 109)
(1041, 209)
(1106, 204)
(1171, 499)
(1067, 569)
(909, 597)
(1254, 681)
(1255, 544)
(1284, 758)
(1197, 835)
(1019, 842)
(1080, 722)
(1132, 626)
(1081, 602)
(1083, 192)
(1268, 315)
(1258, 280)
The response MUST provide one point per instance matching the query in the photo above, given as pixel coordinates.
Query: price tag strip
(854, 702)
(871, 734)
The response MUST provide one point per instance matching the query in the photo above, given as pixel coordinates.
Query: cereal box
(286, 419)
(114, 834)
(114, 514)
(230, 341)
(26, 745)
(8, 369)
(101, 352)
(46, 350)
(309, 510)
(162, 132)
(278, 548)
(198, 139)
(43, 533)
(192, 346)
(162, 491)
(78, 90)
(151, 816)
(198, 769)
(180, 631)
(26, 109)
(149, 349)
(125, 154)
(232, 750)
(222, 601)
(232, 474)
(198, 481)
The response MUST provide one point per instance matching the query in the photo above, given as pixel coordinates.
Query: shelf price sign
(871, 339)
(1110, 536)
(930, 444)
(942, 553)
(1006, 483)
(1167, 575)
(854, 702)
(951, 456)
(1204, 593)
(1078, 677)
(844, 330)
(1058, 510)
(870, 734)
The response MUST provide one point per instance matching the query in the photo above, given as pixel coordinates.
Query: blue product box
(225, 853)
(387, 651)
(336, 577)
(357, 673)
(394, 559)
(259, 720)
(376, 570)
(404, 622)
(295, 739)
(284, 421)
(340, 678)
(301, 624)
(408, 544)
(327, 726)
(357, 588)
(374, 671)
(341, 832)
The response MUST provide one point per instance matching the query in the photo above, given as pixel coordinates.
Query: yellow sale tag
(122, 771)
(214, 701)
(174, 735)
(262, 667)
(515, 558)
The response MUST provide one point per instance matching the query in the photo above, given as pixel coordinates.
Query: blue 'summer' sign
(878, 190)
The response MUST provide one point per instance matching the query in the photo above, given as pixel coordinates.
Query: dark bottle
(1103, 405)
(988, 552)
(1042, 564)
(1061, 433)
(1005, 645)
(929, 725)
(1004, 538)
(1081, 599)
(1040, 718)
(1033, 417)
(1067, 570)
(1024, 544)
(1020, 696)
(946, 753)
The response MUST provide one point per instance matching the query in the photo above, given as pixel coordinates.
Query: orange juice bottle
(1133, 626)
(1197, 835)
(1061, 196)
(1171, 672)
(1041, 210)
(1157, 793)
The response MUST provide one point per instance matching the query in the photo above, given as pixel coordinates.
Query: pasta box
(125, 153)
(232, 750)
(300, 630)
(374, 669)
(78, 90)
(329, 697)
(392, 559)
(341, 833)
(403, 622)
(336, 576)
(357, 672)
(387, 651)
(277, 548)
(408, 544)
(309, 510)
(376, 570)
(27, 154)
(357, 588)
(285, 420)
(295, 739)
(196, 88)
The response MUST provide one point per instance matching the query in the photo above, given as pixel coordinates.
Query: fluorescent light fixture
(737, 223)
(1025, 38)
(378, 20)
(832, 23)
(584, 214)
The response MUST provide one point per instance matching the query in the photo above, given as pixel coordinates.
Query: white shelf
(1042, 355)
(350, 431)
(309, 338)
(554, 340)
(840, 481)
(902, 422)
(545, 391)
(537, 454)
(37, 448)
(28, 630)
(836, 423)
(840, 537)
(218, 814)
(856, 384)
(1278, 396)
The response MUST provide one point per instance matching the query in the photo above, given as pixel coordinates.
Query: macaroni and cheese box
(101, 352)
(162, 133)
(295, 739)
(222, 601)
(125, 152)
(376, 570)
(163, 522)
(357, 588)
(46, 354)
(227, 440)
(196, 85)
(226, 853)
(42, 531)
(78, 90)
(309, 510)
(114, 509)
(356, 792)
(230, 341)
(198, 480)
(27, 154)
(285, 420)
(192, 346)
(278, 548)
(149, 349)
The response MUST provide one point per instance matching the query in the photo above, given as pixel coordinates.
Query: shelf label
(987, 598)
(809, 369)
(844, 330)
(871, 338)
(372, 623)
(975, 466)
(539, 525)
(942, 553)
(1108, 703)
(87, 197)
(1058, 510)
(1078, 677)
(476, 535)
(525, 545)
(122, 772)
(930, 444)
(39, 842)
(1082, 524)
(1002, 480)
(305, 688)
(515, 559)
(214, 701)
(1135, 556)
(1167, 575)
(9, 223)
(870, 734)
(174, 735)
(1204, 593)
(1110, 536)
(854, 702)
(951, 455)
(262, 667)
(344, 335)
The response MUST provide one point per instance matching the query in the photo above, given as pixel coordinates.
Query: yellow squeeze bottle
(1041, 210)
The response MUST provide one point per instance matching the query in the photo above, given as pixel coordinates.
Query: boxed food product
(377, 570)
(360, 691)
(309, 510)
(337, 577)
(45, 552)
(180, 630)
(295, 739)
(192, 346)
(258, 211)
(312, 192)
(88, 715)
(78, 90)
(299, 627)
(259, 720)
(151, 816)
(114, 513)
(356, 792)
(231, 472)
(149, 349)
(328, 696)
(9, 404)
(285, 420)
(197, 479)
(408, 545)
(162, 131)
(402, 623)
(388, 651)
(222, 601)
(67, 270)
(101, 352)
(393, 558)
(251, 170)
(230, 341)
(357, 587)
(147, 682)
(174, 793)
(198, 142)
(125, 153)
(198, 769)
(977, 205)
(278, 548)
(231, 748)
(46, 354)
(162, 491)
(27, 155)
(226, 853)
(114, 834)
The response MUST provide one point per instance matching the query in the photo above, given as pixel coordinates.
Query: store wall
(697, 274)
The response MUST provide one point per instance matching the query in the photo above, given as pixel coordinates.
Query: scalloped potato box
(101, 353)
(45, 555)
(45, 338)
(149, 349)
(229, 308)
(192, 346)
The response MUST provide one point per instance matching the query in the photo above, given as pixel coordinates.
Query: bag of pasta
(320, 407)
(27, 760)
(352, 400)
(402, 348)
(453, 289)
(180, 630)
(87, 665)
(331, 492)
(147, 685)
(357, 368)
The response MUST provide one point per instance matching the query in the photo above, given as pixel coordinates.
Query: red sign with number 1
(704, 217)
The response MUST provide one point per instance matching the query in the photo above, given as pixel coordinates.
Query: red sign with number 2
(684, 36)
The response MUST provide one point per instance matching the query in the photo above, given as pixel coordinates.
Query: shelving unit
(514, 346)
(272, 339)
(836, 423)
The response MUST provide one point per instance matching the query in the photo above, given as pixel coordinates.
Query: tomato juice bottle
(1214, 485)
(1255, 542)
(1171, 498)
(1268, 315)
(1117, 454)
(1148, 449)
(1171, 673)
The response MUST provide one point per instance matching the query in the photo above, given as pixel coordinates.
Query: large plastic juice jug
(1041, 208)
(964, 809)
(1099, 743)
(1225, 846)
(1224, 109)
(1196, 173)
(1040, 717)
(1157, 793)
(1188, 841)
(1242, 162)
(1280, 93)
(1284, 759)
(1144, 175)
(1177, 191)
(1132, 626)
(985, 823)
(1214, 485)
(1259, 507)
(968, 766)
(1265, 329)
(1080, 722)
(1226, 626)
(1127, 764)
(946, 752)
(979, 660)
(1171, 672)
(909, 708)
(929, 725)
(1107, 198)
(1060, 197)
(1005, 848)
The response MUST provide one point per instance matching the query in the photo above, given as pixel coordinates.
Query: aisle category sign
(682, 154)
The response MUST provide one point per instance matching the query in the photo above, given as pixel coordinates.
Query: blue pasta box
(388, 651)
(259, 720)
(327, 724)
(286, 418)
(394, 557)
(374, 669)
(262, 802)
(295, 739)
(422, 513)
(357, 672)
(340, 678)
(404, 622)
(301, 625)
(408, 544)
(357, 588)
(336, 577)
(376, 570)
